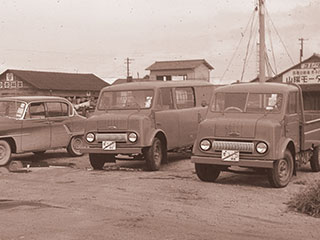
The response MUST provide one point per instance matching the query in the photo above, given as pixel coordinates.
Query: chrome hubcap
(283, 169)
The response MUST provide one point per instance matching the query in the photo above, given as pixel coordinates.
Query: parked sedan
(37, 124)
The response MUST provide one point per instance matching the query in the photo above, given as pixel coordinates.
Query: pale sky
(96, 36)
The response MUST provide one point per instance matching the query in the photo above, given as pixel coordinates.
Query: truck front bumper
(240, 163)
(116, 151)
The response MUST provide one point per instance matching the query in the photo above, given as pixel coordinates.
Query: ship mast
(262, 70)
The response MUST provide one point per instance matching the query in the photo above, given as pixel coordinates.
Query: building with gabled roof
(73, 85)
(307, 71)
(198, 69)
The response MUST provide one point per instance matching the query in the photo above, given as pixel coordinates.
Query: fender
(283, 148)
(152, 136)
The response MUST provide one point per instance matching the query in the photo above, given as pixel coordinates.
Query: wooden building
(69, 85)
(307, 71)
(198, 69)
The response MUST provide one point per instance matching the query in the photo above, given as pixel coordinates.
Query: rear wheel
(74, 146)
(97, 160)
(315, 160)
(154, 155)
(281, 173)
(207, 172)
(5, 152)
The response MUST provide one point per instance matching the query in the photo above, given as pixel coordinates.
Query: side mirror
(204, 103)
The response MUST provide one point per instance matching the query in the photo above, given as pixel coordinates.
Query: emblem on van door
(233, 129)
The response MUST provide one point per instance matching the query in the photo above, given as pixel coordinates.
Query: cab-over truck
(271, 126)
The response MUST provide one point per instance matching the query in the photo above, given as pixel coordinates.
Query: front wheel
(315, 160)
(5, 152)
(154, 155)
(97, 160)
(281, 173)
(207, 172)
(74, 146)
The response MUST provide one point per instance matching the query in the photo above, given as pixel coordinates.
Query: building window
(1, 84)
(179, 78)
(7, 85)
(13, 84)
(164, 78)
(20, 84)
(9, 77)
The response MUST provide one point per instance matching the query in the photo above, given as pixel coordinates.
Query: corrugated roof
(61, 81)
(181, 64)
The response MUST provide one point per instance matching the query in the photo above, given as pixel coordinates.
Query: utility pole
(262, 44)
(128, 62)
(301, 47)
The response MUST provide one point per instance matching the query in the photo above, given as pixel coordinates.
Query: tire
(281, 173)
(315, 160)
(74, 146)
(97, 160)
(154, 155)
(5, 152)
(207, 172)
(39, 152)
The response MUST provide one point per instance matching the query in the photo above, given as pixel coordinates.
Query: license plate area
(109, 145)
(230, 155)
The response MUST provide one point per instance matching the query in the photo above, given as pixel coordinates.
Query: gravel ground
(63, 198)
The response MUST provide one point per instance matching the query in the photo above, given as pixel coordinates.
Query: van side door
(167, 118)
(188, 115)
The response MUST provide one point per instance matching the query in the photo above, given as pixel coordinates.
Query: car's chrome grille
(226, 145)
(117, 137)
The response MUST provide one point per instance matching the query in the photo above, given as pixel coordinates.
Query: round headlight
(90, 137)
(262, 147)
(205, 145)
(132, 137)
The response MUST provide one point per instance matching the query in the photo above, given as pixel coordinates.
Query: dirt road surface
(66, 199)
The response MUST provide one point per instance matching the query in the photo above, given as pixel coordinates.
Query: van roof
(267, 87)
(157, 84)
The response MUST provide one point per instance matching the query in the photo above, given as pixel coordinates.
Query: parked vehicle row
(269, 126)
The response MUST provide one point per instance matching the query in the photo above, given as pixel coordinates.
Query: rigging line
(247, 50)
(271, 45)
(269, 67)
(242, 36)
(252, 49)
(279, 37)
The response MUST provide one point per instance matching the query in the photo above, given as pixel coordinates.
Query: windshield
(137, 99)
(12, 109)
(247, 102)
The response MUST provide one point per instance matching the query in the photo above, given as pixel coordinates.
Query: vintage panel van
(145, 120)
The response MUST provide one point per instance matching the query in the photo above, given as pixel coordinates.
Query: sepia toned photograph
(164, 120)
